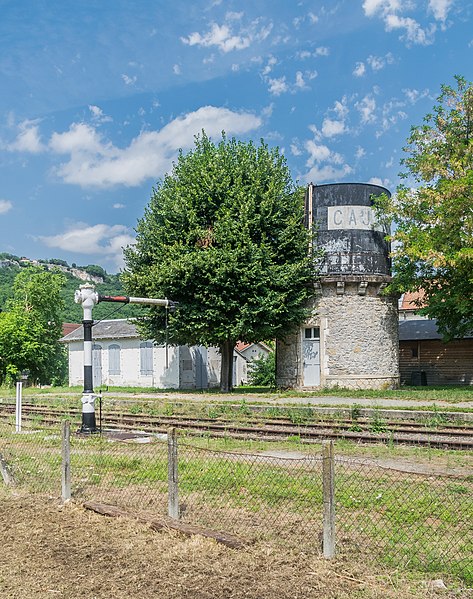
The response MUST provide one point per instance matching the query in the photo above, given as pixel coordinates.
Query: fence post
(173, 495)
(66, 461)
(18, 406)
(328, 484)
(6, 473)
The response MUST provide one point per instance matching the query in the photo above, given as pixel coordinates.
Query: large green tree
(223, 235)
(31, 326)
(433, 212)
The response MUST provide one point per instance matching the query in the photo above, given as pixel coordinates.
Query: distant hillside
(106, 284)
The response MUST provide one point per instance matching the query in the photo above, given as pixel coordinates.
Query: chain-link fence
(424, 522)
(310, 500)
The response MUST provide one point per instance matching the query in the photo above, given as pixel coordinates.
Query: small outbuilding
(424, 359)
(121, 358)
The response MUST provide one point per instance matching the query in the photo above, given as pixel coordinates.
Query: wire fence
(408, 520)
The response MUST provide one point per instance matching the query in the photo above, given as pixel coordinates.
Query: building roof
(412, 300)
(68, 327)
(418, 329)
(241, 346)
(105, 329)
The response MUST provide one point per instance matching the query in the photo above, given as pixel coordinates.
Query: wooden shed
(424, 359)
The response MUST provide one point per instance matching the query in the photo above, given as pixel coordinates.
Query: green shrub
(262, 371)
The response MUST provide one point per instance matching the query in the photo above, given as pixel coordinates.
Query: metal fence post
(328, 483)
(66, 461)
(173, 495)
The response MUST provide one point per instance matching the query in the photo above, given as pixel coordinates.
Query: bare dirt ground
(48, 550)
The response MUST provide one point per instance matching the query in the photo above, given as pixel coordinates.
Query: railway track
(361, 430)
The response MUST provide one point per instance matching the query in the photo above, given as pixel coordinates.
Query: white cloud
(317, 152)
(278, 86)
(118, 206)
(414, 95)
(81, 138)
(269, 66)
(5, 206)
(267, 111)
(389, 10)
(81, 238)
(129, 80)
(360, 152)
(320, 153)
(233, 16)
(380, 182)
(320, 51)
(366, 108)
(340, 108)
(392, 111)
(176, 69)
(311, 18)
(224, 39)
(413, 31)
(98, 116)
(379, 62)
(220, 36)
(331, 127)
(327, 173)
(28, 139)
(300, 83)
(372, 7)
(359, 69)
(440, 8)
(95, 162)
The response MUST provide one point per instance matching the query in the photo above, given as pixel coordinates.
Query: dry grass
(48, 550)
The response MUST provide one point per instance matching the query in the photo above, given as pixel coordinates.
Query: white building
(122, 359)
(253, 351)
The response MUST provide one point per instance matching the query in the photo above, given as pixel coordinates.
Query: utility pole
(88, 297)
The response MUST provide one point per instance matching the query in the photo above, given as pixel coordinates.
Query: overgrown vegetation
(30, 328)
(262, 371)
(432, 213)
(71, 312)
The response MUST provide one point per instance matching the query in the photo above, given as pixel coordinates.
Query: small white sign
(352, 217)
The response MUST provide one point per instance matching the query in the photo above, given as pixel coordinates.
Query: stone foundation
(359, 346)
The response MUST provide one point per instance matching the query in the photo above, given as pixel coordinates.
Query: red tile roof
(68, 327)
(412, 300)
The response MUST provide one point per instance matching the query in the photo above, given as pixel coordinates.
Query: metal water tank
(352, 240)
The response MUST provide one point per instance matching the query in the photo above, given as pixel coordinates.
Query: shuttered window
(114, 359)
(146, 357)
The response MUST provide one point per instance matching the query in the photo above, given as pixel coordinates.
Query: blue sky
(97, 97)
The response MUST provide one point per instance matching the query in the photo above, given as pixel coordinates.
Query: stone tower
(351, 338)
